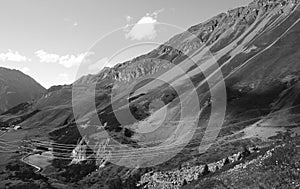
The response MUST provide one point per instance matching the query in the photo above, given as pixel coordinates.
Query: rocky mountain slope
(16, 87)
(256, 49)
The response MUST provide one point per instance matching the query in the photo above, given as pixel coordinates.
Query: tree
(217, 168)
(226, 161)
(245, 152)
(115, 183)
(205, 170)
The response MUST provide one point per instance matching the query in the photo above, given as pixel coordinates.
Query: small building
(3, 129)
(17, 127)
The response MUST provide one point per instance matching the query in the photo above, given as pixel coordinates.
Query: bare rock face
(16, 88)
(79, 152)
(256, 48)
(237, 27)
(260, 38)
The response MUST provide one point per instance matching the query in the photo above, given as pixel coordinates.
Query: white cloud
(13, 56)
(46, 57)
(75, 24)
(25, 70)
(72, 60)
(144, 28)
(67, 61)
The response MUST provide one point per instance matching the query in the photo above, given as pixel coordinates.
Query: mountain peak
(17, 87)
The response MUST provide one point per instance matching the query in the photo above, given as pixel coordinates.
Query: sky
(51, 40)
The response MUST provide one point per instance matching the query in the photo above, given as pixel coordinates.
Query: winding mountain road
(23, 159)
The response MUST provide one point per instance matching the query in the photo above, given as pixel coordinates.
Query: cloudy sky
(48, 39)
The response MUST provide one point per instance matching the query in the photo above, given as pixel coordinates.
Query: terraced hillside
(255, 48)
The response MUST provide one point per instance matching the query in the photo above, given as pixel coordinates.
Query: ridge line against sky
(48, 39)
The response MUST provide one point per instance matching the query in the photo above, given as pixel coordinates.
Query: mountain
(255, 48)
(16, 87)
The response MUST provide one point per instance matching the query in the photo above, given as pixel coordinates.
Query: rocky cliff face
(256, 49)
(225, 35)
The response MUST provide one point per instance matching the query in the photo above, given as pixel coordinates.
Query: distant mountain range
(16, 88)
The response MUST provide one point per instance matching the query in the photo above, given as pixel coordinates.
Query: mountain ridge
(17, 87)
(256, 49)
